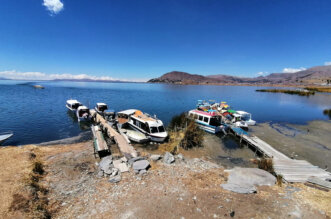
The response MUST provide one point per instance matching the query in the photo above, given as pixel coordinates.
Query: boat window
(154, 129)
(215, 121)
(143, 126)
(195, 116)
(161, 128)
(103, 108)
(200, 118)
(205, 119)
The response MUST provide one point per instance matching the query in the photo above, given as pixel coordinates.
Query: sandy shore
(311, 142)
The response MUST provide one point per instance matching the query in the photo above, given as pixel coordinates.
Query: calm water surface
(38, 116)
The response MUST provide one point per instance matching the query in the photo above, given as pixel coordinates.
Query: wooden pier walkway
(290, 169)
(125, 147)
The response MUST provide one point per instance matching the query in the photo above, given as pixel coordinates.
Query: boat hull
(151, 136)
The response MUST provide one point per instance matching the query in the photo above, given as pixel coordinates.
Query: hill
(314, 75)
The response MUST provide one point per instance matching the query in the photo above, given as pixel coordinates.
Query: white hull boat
(150, 126)
(73, 105)
(4, 136)
(83, 114)
(131, 134)
(247, 117)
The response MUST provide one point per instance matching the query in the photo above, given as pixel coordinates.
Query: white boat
(144, 123)
(4, 136)
(103, 110)
(237, 121)
(83, 114)
(247, 117)
(73, 105)
(131, 134)
(208, 121)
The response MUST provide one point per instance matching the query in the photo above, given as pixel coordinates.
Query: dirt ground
(190, 188)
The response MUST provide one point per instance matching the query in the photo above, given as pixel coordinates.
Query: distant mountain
(314, 75)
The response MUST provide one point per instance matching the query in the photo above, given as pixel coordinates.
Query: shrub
(193, 136)
(266, 164)
(178, 122)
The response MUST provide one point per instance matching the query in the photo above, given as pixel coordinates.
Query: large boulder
(168, 158)
(105, 163)
(155, 157)
(140, 165)
(244, 180)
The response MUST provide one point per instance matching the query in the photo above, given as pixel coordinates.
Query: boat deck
(290, 169)
(125, 147)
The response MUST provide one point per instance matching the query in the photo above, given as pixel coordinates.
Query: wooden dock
(125, 147)
(290, 169)
(99, 142)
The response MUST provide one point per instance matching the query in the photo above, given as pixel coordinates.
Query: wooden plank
(125, 147)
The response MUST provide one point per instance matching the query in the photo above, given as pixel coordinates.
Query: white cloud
(327, 63)
(293, 70)
(54, 6)
(261, 73)
(14, 75)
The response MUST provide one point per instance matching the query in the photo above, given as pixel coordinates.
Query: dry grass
(266, 164)
(319, 89)
(15, 166)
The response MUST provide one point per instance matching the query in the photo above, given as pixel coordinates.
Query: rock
(105, 163)
(115, 179)
(116, 163)
(132, 160)
(122, 167)
(155, 157)
(114, 171)
(140, 165)
(142, 172)
(100, 174)
(179, 157)
(108, 171)
(168, 158)
(124, 159)
(245, 189)
(244, 180)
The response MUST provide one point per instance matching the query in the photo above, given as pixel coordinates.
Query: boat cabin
(73, 105)
(144, 123)
(101, 107)
(209, 121)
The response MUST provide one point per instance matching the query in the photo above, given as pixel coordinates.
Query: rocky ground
(186, 188)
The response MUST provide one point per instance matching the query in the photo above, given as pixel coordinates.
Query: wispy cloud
(54, 6)
(327, 63)
(262, 73)
(293, 70)
(14, 75)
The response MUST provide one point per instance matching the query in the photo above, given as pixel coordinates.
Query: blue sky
(142, 39)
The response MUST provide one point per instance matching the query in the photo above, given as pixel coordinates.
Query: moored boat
(4, 136)
(83, 114)
(247, 117)
(209, 121)
(73, 105)
(144, 123)
(103, 110)
(131, 134)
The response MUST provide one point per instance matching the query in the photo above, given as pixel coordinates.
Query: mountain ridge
(313, 75)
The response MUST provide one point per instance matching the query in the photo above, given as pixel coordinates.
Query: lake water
(37, 115)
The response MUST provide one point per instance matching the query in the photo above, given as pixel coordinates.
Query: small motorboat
(73, 105)
(247, 117)
(4, 136)
(83, 114)
(150, 126)
(103, 110)
(132, 134)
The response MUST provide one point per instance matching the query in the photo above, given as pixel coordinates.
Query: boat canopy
(231, 111)
(71, 102)
(128, 112)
